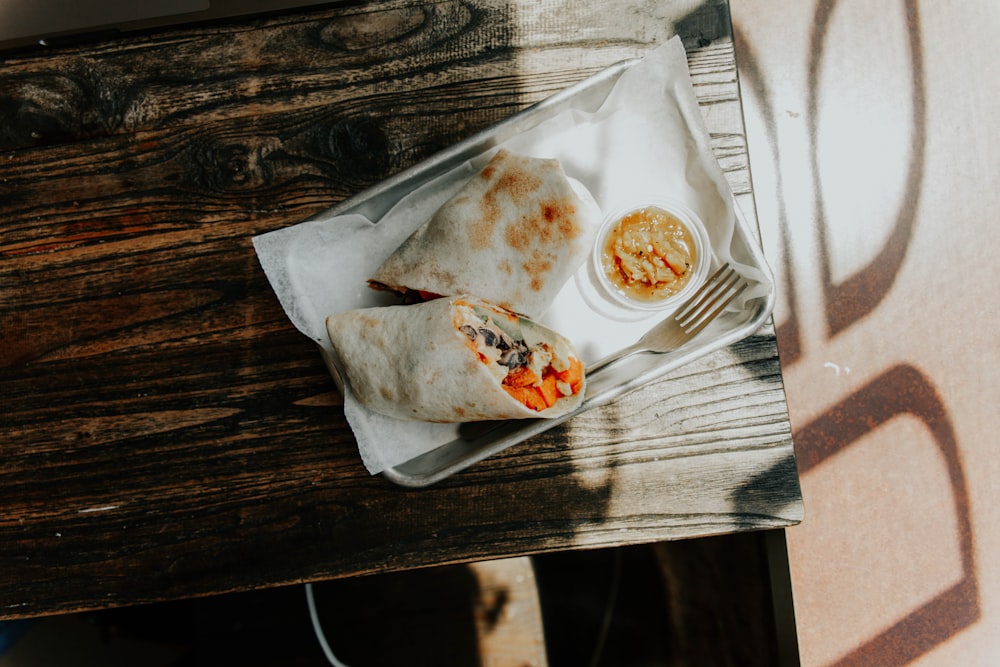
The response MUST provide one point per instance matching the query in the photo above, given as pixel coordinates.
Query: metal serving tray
(480, 440)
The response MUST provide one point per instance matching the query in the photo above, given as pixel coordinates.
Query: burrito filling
(409, 296)
(533, 372)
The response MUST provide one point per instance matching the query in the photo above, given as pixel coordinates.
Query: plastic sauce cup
(649, 258)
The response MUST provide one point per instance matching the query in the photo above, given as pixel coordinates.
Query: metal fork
(690, 319)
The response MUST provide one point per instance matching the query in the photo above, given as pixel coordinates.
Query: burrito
(455, 359)
(513, 235)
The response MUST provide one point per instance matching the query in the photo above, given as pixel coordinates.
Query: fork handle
(615, 358)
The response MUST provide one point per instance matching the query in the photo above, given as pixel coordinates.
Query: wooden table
(168, 434)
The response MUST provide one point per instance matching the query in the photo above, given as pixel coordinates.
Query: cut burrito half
(513, 235)
(455, 360)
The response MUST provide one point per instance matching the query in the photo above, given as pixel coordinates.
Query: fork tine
(704, 293)
(708, 318)
(713, 297)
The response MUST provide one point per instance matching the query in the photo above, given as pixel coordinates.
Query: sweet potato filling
(535, 374)
(539, 393)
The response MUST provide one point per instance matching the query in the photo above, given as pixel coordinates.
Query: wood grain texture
(167, 433)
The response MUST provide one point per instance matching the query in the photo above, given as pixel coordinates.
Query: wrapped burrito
(455, 360)
(513, 235)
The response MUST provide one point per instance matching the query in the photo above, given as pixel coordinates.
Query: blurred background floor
(874, 152)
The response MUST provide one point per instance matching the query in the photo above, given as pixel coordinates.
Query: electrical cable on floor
(318, 629)
(609, 609)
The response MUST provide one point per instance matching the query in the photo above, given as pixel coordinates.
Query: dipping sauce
(649, 255)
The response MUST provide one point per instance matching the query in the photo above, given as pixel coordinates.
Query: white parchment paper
(647, 141)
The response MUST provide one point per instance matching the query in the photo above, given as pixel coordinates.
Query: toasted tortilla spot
(516, 184)
(517, 236)
(388, 394)
(370, 327)
(512, 184)
(560, 218)
(446, 277)
(555, 222)
(536, 268)
(481, 231)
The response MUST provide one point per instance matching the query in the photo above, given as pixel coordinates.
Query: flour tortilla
(412, 362)
(513, 236)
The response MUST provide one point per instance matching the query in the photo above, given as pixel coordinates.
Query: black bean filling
(513, 353)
